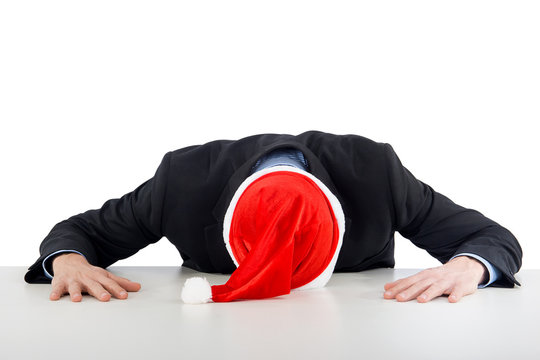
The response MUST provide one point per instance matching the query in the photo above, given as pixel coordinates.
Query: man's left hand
(457, 278)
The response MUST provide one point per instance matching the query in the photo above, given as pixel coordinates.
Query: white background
(92, 95)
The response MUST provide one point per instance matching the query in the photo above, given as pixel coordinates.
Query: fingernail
(388, 293)
(123, 293)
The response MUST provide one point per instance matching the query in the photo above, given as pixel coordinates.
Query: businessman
(193, 188)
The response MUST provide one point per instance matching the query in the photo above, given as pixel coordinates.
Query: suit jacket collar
(315, 167)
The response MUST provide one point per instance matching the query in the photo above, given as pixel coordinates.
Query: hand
(74, 275)
(457, 278)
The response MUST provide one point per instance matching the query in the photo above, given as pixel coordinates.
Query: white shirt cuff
(54, 253)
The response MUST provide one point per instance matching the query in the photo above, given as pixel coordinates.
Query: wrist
(475, 266)
(60, 258)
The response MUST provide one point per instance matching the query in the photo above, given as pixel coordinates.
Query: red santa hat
(283, 230)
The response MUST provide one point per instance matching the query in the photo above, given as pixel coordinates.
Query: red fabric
(283, 235)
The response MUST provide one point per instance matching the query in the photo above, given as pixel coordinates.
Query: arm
(117, 230)
(444, 229)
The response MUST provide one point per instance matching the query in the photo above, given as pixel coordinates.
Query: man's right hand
(74, 275)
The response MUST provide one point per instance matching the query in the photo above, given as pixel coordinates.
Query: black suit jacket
(187, 198)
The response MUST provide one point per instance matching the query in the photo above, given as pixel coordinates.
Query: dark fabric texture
(187, 198)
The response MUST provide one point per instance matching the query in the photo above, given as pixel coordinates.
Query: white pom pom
(196, 290)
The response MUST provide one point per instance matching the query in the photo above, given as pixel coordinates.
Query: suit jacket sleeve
(117, 230)
(435, 223)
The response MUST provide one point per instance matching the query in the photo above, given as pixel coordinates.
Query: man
(187, 199)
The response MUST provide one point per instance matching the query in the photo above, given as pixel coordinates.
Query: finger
(457, 293)
(125, 283)
(435, 290)
(58, 290)
(74, 289)
(414, 290)
(400, 286)
(96, 290)
(391, 284)
(399, 283)
(112, 286)
(404, 283)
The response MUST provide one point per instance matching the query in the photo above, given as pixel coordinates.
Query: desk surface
(348, 319)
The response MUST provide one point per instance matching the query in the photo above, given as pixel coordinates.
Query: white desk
(348, 319)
